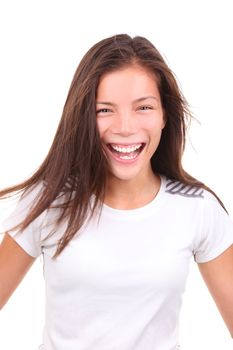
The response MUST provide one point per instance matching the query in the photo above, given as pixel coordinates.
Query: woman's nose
(125, 124)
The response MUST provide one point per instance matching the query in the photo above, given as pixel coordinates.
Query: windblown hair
(75, 166)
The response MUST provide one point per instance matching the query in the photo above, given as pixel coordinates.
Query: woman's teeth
(127, 152)
(126, 149)
(129, 157)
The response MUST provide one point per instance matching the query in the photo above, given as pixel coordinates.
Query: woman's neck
(131, 194)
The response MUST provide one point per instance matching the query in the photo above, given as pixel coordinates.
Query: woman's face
(130, 121)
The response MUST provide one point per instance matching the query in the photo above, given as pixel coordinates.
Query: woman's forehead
(133, 81)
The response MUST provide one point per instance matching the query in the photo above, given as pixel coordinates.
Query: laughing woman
(114, 214)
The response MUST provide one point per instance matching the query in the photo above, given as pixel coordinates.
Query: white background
(41, 45)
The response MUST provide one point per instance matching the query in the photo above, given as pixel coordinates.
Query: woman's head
(79, 117)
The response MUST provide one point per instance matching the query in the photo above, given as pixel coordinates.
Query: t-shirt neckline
(151, 206)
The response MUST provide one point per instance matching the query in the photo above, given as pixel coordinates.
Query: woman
(113, 212)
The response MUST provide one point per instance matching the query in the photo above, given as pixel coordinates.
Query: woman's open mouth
(126, 152)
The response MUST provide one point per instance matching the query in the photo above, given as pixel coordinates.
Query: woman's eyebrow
(145, 98)
(140, 99)
(105, 103)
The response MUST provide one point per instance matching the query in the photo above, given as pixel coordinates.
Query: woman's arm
(14, 263)
(218, 276)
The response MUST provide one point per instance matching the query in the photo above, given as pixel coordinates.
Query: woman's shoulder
(179, 188)
(188, 192)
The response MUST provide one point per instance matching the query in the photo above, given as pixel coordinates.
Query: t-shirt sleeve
(30, 238)
(216, 233)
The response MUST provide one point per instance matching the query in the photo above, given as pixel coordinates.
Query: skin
(14, 264)
(218, 276)
(129, 112)
(125, 119)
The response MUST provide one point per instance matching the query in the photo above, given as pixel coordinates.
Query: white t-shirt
(118, 284)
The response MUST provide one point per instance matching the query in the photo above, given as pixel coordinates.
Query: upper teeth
(128, 149)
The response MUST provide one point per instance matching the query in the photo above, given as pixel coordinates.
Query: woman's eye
(144, 108)
(103, 110)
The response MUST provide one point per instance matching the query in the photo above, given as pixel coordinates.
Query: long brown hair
(75, 166)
